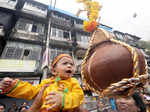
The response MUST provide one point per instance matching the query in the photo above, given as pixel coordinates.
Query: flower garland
(92, 8)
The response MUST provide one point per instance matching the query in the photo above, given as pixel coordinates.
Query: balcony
(60, 41)
(33, 36)
(35, 9)
(9, 4)
(61, 22)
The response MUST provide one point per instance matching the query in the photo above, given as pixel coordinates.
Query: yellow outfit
(73, 97)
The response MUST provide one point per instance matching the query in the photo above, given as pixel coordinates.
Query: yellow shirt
(73, 98)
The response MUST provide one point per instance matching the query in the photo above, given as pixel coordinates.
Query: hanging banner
(9, 65)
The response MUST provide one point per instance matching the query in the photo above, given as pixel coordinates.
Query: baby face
(65, 68)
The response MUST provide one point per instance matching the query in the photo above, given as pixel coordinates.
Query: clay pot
(108, 62)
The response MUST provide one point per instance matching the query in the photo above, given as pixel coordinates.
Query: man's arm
(36, 105)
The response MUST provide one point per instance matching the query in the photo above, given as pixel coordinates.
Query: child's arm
(24, 90)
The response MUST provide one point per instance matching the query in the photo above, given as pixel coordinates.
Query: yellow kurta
(73, 98)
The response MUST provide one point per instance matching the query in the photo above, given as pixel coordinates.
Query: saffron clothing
(73, 97)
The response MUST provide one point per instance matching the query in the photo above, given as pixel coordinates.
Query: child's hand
(5, 83)
(55, 99)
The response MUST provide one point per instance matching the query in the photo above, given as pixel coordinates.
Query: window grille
(18, 53)
(9, 52)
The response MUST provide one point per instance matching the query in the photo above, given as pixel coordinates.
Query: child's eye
(71, 64)
(65, 63)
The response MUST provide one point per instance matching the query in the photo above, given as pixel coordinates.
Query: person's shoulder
(74, 80)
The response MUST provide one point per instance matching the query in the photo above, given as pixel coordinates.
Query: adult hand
(36, 105)
(55, 99)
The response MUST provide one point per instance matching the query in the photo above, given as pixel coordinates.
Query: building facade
(23, 36)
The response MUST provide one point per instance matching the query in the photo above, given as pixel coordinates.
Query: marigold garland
(92, 8)
(89, 26)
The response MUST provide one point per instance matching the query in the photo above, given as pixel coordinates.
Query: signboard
(9, 65)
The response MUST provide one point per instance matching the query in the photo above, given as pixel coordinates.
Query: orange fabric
(44, 110)
(58, 58)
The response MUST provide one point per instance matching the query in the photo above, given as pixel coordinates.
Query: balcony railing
(35, 10)
(27, 35)
(61, 39)
(61, 22)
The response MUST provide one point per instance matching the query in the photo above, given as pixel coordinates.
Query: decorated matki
(111, 67)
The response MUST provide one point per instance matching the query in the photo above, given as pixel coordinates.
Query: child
(63, 93)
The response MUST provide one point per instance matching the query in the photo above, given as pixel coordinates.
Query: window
(34, 55)
(34, 28)
(9, 52)
(53, 54)
(129, 37)
(15, 50)
(60, 33)
(18, 53)
(56, 51)
(119, 36)
(28, 27)
(53, 32)
(21, 25)
(78, 37)
(79, 22)
(13, 53)
(83, 39)
(88, 38)
(31, 54)
(40, 29)
(66, 34)
(26, 54)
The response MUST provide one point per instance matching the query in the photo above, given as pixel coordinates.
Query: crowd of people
(14, 107)
(62, 93)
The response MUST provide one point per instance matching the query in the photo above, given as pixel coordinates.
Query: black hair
(139, 101)
(2, 104)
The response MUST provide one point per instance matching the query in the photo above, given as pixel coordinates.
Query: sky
(117, 14)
